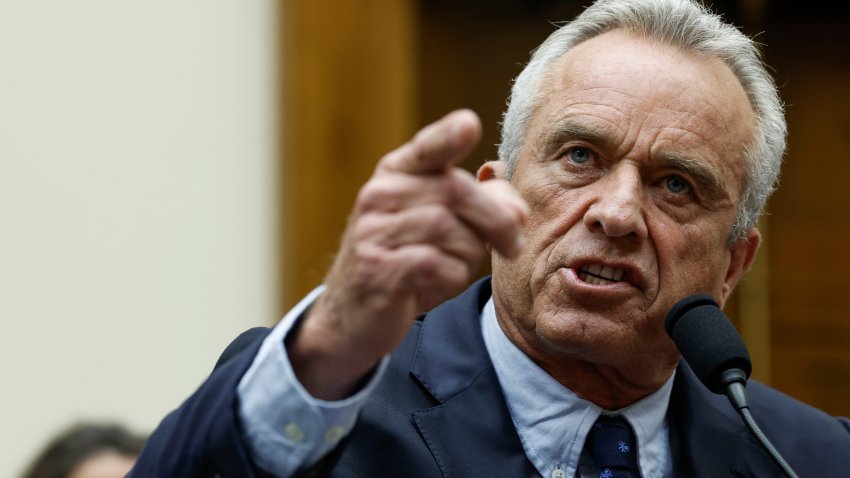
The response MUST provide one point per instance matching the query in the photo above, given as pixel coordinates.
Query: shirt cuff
(286, 428)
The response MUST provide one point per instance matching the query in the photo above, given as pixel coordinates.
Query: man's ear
(492, 170)
(742, 254)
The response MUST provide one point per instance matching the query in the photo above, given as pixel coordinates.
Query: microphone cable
(714, 350)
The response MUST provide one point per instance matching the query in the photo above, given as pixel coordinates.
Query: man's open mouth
(596, 274)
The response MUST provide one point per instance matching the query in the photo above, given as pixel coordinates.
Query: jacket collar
(470, 431)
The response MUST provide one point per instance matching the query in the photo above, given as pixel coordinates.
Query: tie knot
(612, 446)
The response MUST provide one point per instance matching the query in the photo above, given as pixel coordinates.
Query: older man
(639, 147)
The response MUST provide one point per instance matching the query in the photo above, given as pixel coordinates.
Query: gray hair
(681, 23)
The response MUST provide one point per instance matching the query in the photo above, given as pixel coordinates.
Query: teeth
(592, 280)
(596, 274)
(618, 275)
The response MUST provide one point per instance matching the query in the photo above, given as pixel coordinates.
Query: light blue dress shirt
(553, 422)
(288, 430)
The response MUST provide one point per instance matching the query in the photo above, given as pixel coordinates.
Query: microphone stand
(736, 381)
(715, 351)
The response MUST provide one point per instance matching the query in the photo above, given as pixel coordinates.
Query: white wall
(138, 213)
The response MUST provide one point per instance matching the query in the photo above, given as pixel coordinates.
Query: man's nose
(619, 206)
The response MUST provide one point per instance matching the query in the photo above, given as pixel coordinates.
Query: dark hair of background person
(80, 442)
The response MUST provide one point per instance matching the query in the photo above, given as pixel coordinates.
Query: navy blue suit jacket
(439, 411)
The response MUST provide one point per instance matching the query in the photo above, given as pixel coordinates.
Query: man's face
(633, 168)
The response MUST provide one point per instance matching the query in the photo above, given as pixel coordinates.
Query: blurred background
(173, 172)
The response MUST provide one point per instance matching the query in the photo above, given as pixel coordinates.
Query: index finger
(438, 146)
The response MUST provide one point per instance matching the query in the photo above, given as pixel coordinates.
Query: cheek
(554, 210)
(691, 259)
(548, 222)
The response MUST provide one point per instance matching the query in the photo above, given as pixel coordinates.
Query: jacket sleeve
(203, 438)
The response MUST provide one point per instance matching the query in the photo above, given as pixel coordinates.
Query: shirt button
(294, 432)
(333, 434)
(558, 473)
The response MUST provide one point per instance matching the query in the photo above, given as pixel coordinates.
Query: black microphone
(712, 347)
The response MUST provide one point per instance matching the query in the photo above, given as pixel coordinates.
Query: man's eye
(676, 184)
(579, 155)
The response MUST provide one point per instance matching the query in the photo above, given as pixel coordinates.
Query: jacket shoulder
(797, 428)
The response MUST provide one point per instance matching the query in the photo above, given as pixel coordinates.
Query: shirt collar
(553, 422)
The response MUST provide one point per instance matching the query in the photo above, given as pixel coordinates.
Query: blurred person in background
(88, 450)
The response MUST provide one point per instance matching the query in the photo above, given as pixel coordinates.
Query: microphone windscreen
(707, 340)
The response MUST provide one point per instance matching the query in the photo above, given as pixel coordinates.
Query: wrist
(328, 365)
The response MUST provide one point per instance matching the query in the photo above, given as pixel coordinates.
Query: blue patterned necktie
(612, 446)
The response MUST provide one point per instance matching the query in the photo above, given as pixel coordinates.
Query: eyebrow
(697, 169)
(565, 131)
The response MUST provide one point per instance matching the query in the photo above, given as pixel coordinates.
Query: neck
(603, 385)
(610, 385)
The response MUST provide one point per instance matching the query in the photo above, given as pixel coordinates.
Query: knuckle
(368, 260)
(365, 226)
(437, 220)
(442, 270)
(426, 259)
(376, 194)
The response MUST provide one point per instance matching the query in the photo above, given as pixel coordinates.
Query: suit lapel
(470, 432)
(707, 437)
